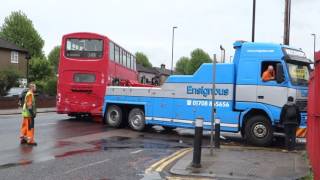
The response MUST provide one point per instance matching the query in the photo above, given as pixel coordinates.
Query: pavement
(18, 111)
(234, 162)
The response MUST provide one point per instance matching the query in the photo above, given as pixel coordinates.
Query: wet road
(81, 149)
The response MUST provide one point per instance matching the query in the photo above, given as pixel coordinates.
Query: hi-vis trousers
(27, 129)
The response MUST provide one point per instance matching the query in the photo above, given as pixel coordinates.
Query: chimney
(163, 66)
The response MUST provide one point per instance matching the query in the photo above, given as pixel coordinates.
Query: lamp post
(173, 28)
(314, 46)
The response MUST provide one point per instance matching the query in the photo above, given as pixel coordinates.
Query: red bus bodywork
(76, 98)
(313, 124)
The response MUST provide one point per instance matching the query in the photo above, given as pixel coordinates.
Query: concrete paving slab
(245, 163)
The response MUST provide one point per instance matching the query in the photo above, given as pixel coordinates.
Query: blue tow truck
(243, 101)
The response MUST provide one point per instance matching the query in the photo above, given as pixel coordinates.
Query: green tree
(18, 29)
(40, 69)
(50, 87)
(143, 59)
(182, 65)
(8, 79)
(198, 57)
(53, 58)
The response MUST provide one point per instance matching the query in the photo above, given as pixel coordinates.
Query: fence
(313, 125)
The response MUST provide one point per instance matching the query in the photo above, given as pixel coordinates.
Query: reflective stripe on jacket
(25, 111)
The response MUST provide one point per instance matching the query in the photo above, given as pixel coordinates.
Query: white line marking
(85, 166)
(45, 124)
(135, 152)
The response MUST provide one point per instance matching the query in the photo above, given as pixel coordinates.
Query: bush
(47, 87)
(8, 79)
(50, 86)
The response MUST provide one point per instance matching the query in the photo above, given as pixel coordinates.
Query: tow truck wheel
(258, 131)
(136, 119)
(114, 116)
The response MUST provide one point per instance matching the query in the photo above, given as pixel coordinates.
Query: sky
(146, 25)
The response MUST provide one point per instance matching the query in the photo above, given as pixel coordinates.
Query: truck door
(270, 92)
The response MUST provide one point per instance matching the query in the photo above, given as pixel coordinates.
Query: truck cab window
(268, 71)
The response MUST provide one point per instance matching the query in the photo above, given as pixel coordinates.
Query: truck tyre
(169, 128)
(114, 116)
(258, 131)
(136, 119)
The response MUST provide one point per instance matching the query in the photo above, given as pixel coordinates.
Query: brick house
(146, 75)
(13, 57)
(154, 75)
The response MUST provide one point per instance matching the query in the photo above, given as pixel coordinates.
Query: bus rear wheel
(114, 116)
(136, 119)
(258, 131)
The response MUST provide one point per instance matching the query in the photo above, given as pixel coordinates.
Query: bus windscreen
(84, 48)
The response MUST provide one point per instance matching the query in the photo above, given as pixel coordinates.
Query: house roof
(11, 46)
(141, 68)
(163, 71)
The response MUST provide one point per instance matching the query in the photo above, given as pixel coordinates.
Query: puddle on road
(70, 153)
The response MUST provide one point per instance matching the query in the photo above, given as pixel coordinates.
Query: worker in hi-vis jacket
(29, 113)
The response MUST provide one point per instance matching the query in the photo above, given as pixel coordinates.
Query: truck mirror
(279, 73)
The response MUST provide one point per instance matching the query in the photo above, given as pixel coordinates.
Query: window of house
(14, 57)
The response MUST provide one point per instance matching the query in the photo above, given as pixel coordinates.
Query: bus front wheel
(136, 119)
(114, 116)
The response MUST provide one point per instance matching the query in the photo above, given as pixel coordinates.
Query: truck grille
(302, 104)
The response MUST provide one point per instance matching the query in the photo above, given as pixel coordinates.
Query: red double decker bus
(90, 62)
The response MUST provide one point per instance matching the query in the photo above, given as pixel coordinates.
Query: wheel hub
(137, 120)
(260, 131)
(114, 116)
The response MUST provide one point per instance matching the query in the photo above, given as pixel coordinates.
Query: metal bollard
(217, 133)
(196, 161)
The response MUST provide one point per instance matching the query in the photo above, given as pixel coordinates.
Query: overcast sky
(146, 25)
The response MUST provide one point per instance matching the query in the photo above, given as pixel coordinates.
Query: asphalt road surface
(80, 149)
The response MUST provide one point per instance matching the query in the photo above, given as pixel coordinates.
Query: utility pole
(223, 54)
(213, 110)
(253, 19)
(287, 19)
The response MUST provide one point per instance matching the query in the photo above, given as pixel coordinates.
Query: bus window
(84, 48)
(128, 60)
(131, 62)
(117, 54)
(124, 58)
(84, 78)
(134, 63)
(111, 51)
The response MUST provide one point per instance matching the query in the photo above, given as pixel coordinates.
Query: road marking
(169, 161)
(45, 124)
(85, 166)
(135, 152)
(160, 165)
(185, 178)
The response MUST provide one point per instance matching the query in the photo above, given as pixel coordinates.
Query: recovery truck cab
(244, 102)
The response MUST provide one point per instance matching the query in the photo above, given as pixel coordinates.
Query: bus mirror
(279, 73)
